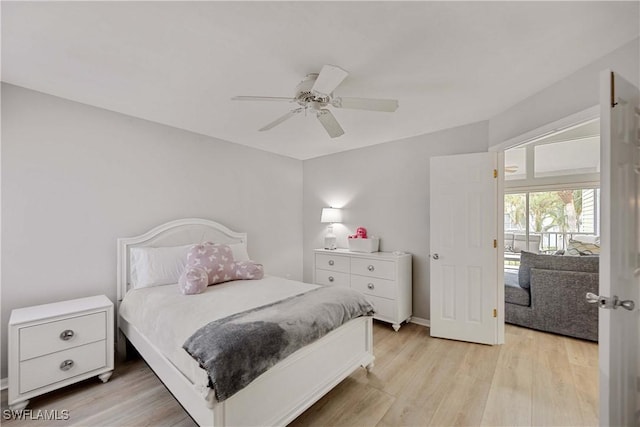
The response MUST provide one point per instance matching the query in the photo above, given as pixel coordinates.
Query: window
(515, 164)
(562, 158)
(551, 191)
(580, 156)
(544, 221)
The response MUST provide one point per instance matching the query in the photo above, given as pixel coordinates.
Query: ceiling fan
(315, 93)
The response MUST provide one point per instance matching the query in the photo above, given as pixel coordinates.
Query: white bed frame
(279, 395)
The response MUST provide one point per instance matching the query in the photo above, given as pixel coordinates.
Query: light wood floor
(535, 379)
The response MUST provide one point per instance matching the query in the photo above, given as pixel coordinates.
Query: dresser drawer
(374, 286)
(373, 268)
(46, 338)
(385, 308)
(332, 262)
(332, 278)
(46, 370)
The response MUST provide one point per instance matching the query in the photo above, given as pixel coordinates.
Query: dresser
(54, 345)
(384, 277)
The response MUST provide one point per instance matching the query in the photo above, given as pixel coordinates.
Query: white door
(463, 234)
(619, 328)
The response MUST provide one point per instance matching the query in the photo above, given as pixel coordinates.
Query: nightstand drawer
(385, 308)
(332, 262)
(49, 369)
(373, 268)
(374, 286)
(332, 278)
(50, 337)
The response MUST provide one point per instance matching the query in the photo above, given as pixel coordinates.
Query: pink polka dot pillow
(217, 262)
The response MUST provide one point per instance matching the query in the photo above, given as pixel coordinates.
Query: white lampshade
(331, 215)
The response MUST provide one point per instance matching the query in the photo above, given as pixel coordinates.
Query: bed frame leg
(369, 367)
(124, 349)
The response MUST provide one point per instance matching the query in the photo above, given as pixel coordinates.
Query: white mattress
(167, 318)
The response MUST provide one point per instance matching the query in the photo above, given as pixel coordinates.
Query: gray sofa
(547, 293)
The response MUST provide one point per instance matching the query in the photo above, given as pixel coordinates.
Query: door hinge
(495, 312)
(495, 243)
(613, 91)
(495, 173)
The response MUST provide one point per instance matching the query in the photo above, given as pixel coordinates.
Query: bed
(277, 396)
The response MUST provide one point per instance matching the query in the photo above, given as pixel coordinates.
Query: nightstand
(384, 277)
(54, 345)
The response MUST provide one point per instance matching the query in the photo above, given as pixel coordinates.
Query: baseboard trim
(420, 321)
(4, 383)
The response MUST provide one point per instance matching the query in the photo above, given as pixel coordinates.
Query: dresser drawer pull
(331, 279)
(331, 262)
(371, 267)
(66, 365)
(370, 286)
(66, 335)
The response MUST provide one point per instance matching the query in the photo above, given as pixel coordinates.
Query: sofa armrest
(558, 301)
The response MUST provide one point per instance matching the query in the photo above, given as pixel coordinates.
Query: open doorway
(552, 226)
(551, 250)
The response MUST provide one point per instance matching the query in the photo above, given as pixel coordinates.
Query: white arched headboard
(173, 233)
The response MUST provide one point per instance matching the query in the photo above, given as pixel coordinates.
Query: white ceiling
(179, 63)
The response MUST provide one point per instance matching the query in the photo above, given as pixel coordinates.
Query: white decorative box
(364, 245)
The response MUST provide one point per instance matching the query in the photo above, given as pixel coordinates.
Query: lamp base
(330, 242)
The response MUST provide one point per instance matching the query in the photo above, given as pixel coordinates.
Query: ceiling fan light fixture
(315, 93)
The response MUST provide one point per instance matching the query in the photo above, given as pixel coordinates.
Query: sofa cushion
(514, 294)
(528, 260)
(511, 277)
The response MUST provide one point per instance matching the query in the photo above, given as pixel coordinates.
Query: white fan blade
(329, 79)
(330, 123)
(371, 104)
(279, 120)
(262, 98)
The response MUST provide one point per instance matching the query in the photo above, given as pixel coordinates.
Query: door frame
(559, 125)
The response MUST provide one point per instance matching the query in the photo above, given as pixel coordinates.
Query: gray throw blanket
(237, 349)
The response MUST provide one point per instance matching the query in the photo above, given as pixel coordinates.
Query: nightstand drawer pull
(370, 286)
(66, 335)
(331, 262)
(371, 267)
(331, 279)
(66, 365)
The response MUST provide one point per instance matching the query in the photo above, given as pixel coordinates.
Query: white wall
(384, 188)
(573, 94)
(75, 177)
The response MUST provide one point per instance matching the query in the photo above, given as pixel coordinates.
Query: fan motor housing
(304, 95)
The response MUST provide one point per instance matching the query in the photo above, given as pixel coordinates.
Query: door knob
(627, 304)
(435, 256)
(609, 302)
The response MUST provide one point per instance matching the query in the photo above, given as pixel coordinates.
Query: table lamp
(330, 216)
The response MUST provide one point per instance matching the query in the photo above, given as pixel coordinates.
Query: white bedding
(167, 318)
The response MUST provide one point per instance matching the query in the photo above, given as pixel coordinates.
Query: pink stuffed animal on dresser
(361, 233)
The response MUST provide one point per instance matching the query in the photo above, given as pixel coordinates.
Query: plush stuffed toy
(361, 233)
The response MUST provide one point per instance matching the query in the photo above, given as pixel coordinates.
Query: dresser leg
(396, 327)
(19, 406)
(105, 377)
(369, 367)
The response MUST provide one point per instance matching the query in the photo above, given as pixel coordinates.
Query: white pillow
(157, 266)
(239, 252)
(587, 239)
